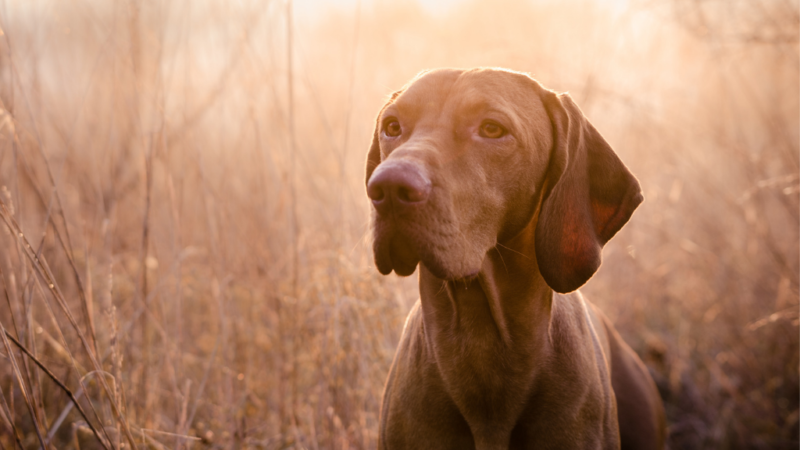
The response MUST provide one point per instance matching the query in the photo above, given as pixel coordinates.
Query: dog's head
(463, 159)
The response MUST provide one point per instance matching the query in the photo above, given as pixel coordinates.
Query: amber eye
(392, 128)
(492, 130)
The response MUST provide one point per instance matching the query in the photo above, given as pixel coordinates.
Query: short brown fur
(491, 357)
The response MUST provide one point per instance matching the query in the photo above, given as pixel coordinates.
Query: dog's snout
(398, 186)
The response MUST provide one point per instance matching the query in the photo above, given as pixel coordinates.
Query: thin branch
(59, 383)
(41, 268)
(22, 388)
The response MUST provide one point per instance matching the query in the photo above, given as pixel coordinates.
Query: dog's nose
(398, 186)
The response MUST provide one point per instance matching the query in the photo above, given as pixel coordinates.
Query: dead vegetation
(195, 275)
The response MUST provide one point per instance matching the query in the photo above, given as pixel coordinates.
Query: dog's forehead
(427, 92)
(459, 90)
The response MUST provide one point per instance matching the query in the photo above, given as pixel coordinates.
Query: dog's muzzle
(399, 190)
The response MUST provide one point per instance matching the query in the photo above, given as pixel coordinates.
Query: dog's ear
(590, 195)
(374, 155)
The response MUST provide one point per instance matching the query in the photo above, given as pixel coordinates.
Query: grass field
(184, 245)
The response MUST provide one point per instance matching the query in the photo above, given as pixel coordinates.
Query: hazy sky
(303, 7)
(310, 9)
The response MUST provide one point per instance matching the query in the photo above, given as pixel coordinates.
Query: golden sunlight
(186, 258)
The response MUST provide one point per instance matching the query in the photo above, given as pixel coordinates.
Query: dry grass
(196, 284)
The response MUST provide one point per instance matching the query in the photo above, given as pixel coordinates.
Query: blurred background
(185, 253)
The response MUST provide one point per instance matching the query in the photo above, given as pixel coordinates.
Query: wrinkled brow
(492, 108)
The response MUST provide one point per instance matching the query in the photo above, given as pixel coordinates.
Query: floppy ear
(591, 196)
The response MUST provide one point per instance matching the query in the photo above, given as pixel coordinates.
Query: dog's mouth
(400, 247)
(397, 246)
(395, 252)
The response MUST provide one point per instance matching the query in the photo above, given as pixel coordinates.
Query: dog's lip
(395, 252)
(381, 248)
(404, 256)
(399, 245)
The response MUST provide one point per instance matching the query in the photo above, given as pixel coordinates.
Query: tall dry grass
(196, 275)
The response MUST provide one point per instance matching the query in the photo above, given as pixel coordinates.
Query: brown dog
(504, 192)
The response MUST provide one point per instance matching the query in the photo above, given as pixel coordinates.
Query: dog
(503, 194)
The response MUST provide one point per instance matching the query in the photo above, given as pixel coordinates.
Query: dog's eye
(492, 130)
(392, 128)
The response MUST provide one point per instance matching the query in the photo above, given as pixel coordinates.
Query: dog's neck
(490, 335)
(509, 298)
